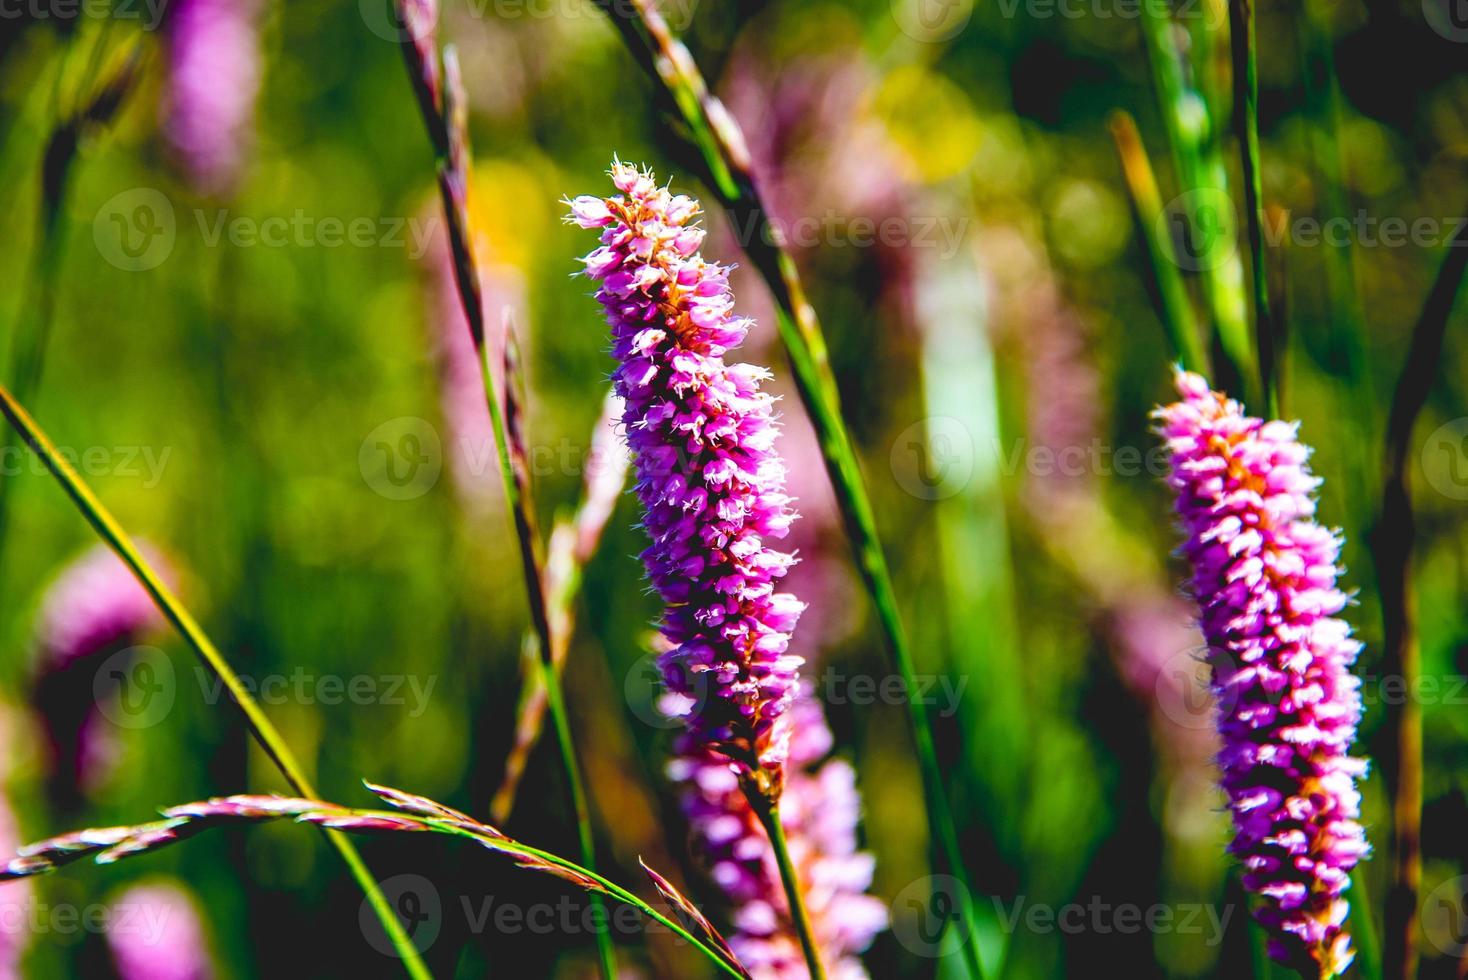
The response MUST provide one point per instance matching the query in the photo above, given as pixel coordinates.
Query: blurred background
(253, 353)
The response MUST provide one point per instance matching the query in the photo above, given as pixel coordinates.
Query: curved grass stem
(173, 610)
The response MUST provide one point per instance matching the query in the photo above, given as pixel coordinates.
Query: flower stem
(721, 144)
(1392, 541)
(445, 112)
(769, 815)
(260, 726)
(1246, 128)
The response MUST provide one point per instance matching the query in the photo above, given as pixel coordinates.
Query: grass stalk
(1246, 130)
(173, 610)
(1203, 207)
(1392, 546)
(439, 90)
(32, 334)
(414, 814)
(1146, 201)
(721, 145)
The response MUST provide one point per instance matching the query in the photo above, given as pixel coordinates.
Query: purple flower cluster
(157, 935)
(1264, 575)
(213, 78)
(702, 434)
(94, 606)
(819, 811)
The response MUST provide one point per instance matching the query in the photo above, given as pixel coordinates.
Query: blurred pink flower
(155, 934)
(94, 606)
(213, 79)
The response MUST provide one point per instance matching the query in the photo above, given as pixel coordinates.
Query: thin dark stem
(444, 110)
(1246, 128)
(1392, 544)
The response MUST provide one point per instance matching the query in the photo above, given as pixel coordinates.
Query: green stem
(1141, 182)
(448, 133)
(1203, 185)
(1392, 542)
(260, 726)
(1363, 928)
(1246, 128)
(556, 701)
(722, 146)
(769, 815)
